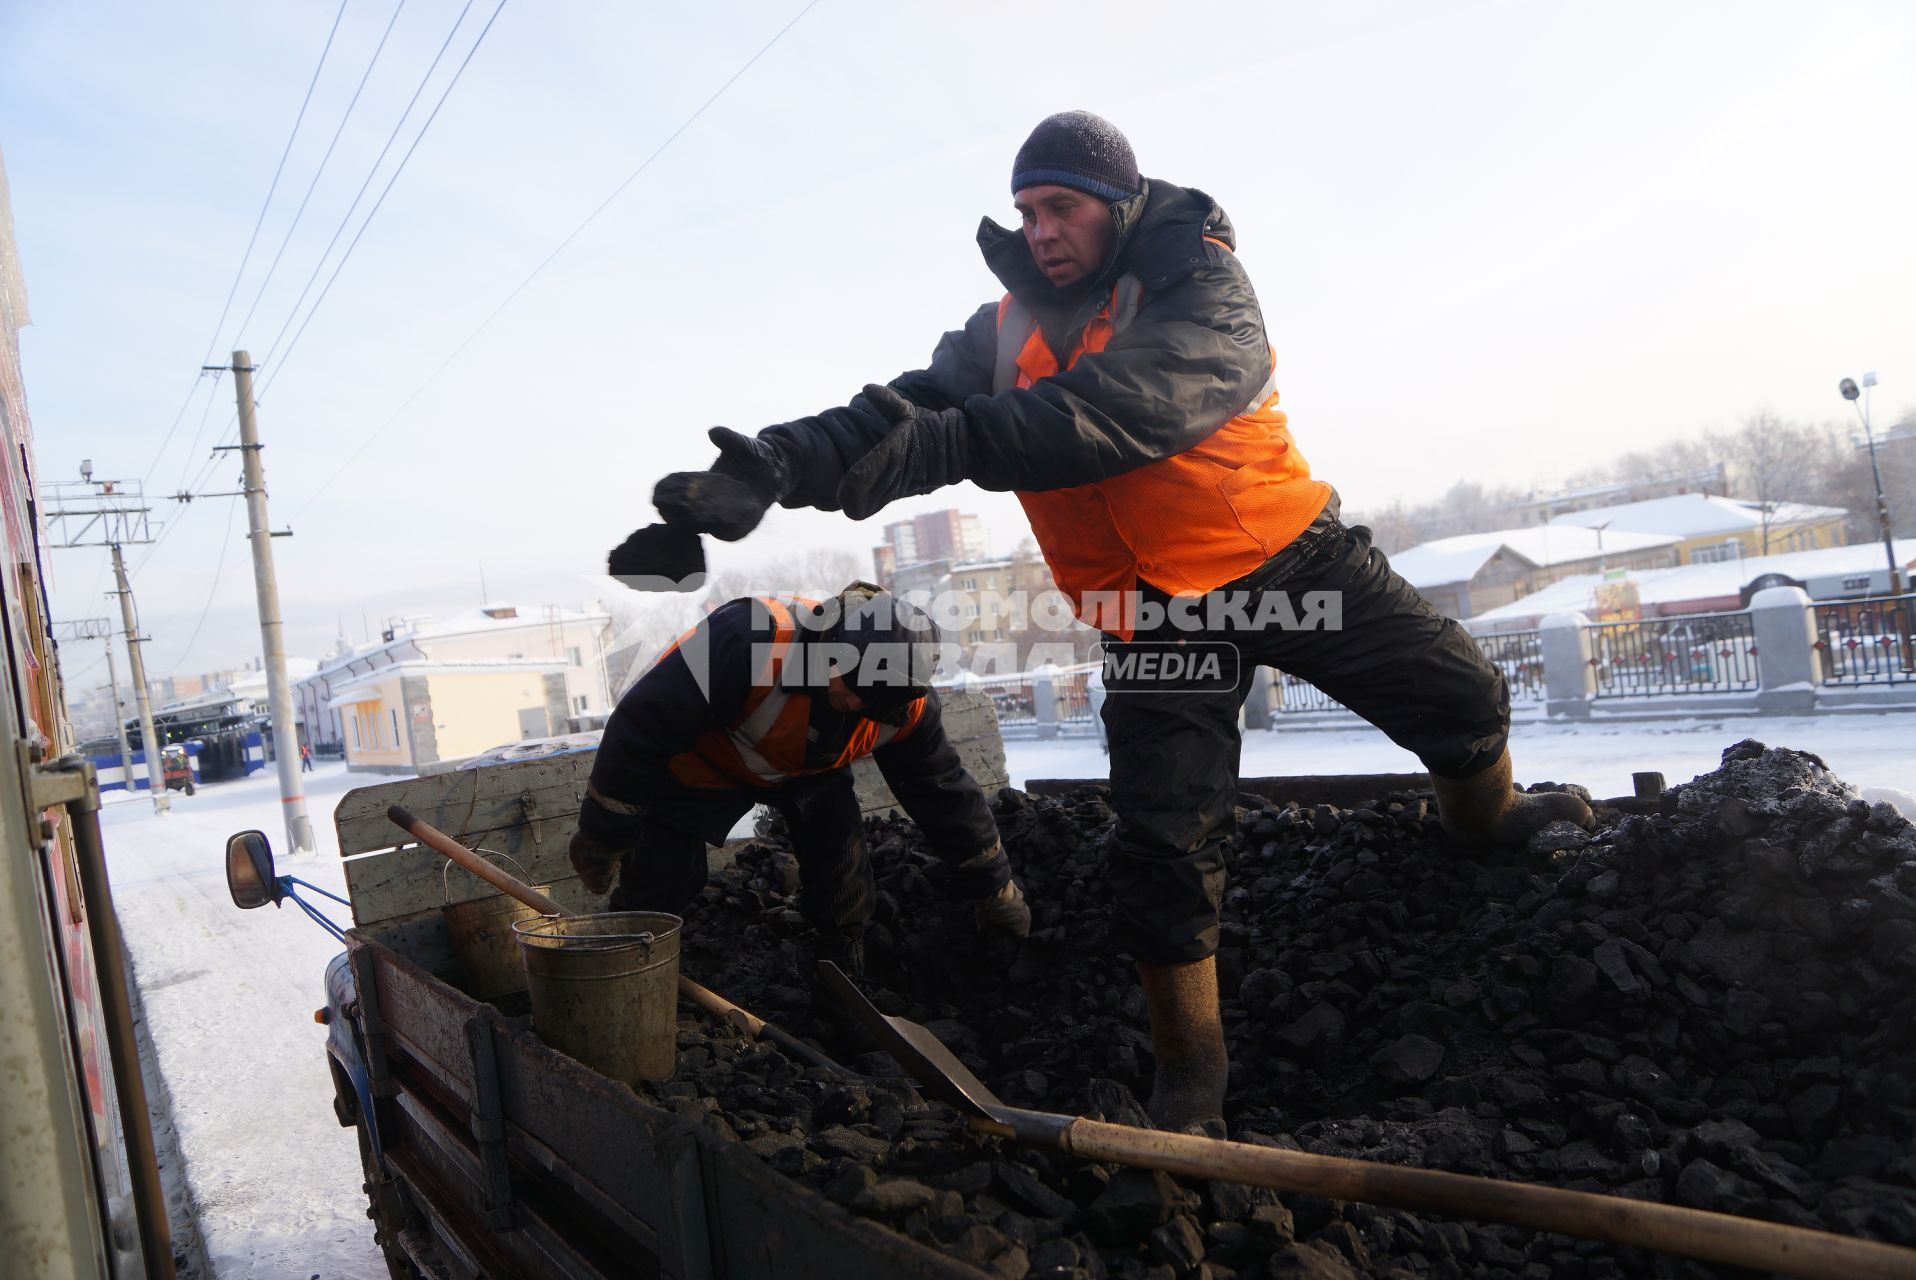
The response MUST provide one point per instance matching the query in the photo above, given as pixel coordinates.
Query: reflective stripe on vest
(765, 745)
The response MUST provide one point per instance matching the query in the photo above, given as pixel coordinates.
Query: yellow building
(434, 693)
(1710, 528)
(402, 718)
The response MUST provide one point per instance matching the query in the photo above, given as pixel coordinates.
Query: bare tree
(1772, 462)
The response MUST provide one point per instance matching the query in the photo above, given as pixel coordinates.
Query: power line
(374, 212)
(363, 186)
(319, 172)
(226, 541)
(547, 261)
(252, 239)
(232, 426)
(211, 398)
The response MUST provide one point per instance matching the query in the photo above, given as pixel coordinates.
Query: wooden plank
(400, 883)
(769, 1227)
(605, 1133)
(426, 1019)
(470, 805)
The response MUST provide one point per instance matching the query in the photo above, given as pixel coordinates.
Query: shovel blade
(922, 1054)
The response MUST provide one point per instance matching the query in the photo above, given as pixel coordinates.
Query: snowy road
(230, 995)
(1867, 750)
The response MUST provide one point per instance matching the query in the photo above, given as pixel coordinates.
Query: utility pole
(102, 629)
(119, 718)
(149, 740)
(113, 514)
(292, 795)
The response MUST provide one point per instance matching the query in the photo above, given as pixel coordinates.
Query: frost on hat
(1078, 150)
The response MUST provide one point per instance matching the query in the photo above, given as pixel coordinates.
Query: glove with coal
(596, 861)
(659, 557)
(925, 450)
(728, 499)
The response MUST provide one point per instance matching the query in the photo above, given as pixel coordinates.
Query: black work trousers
(1377, 647)
(666, 869)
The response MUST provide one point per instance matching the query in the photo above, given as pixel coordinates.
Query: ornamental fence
(1866, 642)
(1695, 653)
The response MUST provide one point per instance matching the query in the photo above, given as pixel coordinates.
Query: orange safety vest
(1185, 524)
(765, 743)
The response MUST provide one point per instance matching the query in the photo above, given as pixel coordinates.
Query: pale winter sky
(1492, 240)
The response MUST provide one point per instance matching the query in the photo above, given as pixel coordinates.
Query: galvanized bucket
(604, 989)
(481, 930)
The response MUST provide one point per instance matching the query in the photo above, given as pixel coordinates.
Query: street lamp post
(1850, 393)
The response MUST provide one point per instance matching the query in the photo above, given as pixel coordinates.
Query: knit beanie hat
(1078, 150)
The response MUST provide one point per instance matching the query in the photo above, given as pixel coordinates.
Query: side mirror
(250, 875)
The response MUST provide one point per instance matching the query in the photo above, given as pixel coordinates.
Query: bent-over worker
(769, 701)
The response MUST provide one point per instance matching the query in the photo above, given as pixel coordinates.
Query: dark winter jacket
(1189, 361)
(666, 712)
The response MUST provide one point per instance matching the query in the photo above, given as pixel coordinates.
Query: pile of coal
(1713, 1005)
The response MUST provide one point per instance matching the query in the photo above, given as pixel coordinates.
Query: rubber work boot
(1004, 912)
(1487, 810)
(1187, 1039)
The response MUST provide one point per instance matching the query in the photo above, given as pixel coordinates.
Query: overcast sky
(1492, 240)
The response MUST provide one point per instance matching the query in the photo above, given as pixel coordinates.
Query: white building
(434, 691)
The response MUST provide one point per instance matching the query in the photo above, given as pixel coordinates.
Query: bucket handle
(604, 942)
(445, 872)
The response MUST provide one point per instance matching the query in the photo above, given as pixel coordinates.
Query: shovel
(1694, 1233)
(710, 1001)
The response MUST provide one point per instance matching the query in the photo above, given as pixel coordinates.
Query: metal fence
(1866, 641)
(1290, 695)
(1694, 653)
(1519, 655)
(1016, 696)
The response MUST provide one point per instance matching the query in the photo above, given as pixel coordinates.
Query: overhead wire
(548, 259)
(251, 240)
(371, 173)
(219, 568)
(320, 301)
(320, 171)
(228, 435)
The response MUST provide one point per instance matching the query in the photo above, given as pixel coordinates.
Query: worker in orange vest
(769, 701)
(1123, 386)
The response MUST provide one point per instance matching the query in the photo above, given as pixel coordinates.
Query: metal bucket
(481, 930)
(605, 989)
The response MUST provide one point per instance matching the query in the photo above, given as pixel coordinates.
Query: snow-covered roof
(1695, 515)
(472, 622)
(1446, 560)
(426, 667)
(1719, 581)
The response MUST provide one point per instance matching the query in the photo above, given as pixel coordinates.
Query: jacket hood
(1160, 237)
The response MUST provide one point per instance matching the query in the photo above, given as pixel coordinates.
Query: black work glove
(659, 558)
(925, 450)
(732, 496)
(596, 861)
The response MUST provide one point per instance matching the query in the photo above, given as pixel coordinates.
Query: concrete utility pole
(149, 740)
(119, 718)
(292, 795)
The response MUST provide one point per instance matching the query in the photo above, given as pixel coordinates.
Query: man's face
(841, 696)
(1069, 233)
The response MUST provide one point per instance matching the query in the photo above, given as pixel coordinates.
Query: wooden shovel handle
(1694, 1233)
(432, 837)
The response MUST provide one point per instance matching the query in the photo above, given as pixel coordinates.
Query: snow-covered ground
(229, 999)
(230, 995)
(1867, 750)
